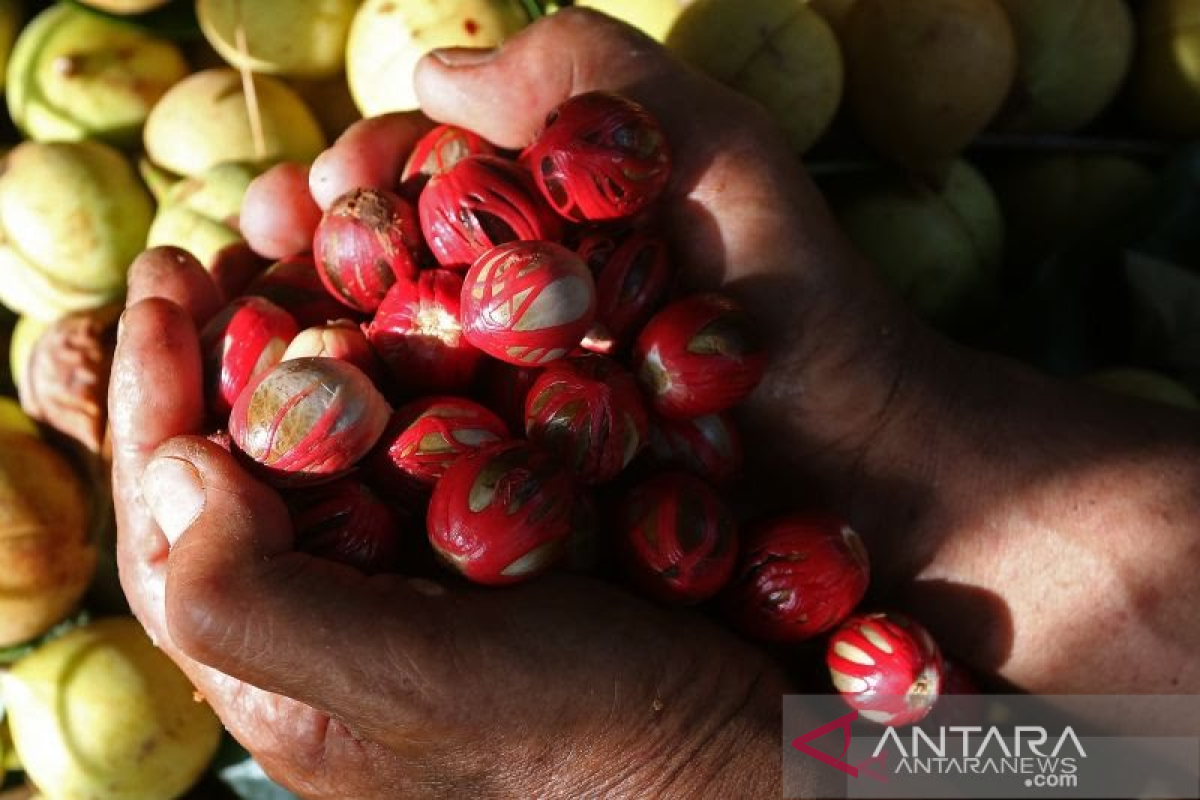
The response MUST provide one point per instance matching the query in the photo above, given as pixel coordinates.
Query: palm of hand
(403, 686)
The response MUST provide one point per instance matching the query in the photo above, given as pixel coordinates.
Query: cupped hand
(349, 686)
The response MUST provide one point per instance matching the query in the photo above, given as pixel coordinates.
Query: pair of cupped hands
(344, 685)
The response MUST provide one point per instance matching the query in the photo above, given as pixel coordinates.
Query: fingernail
(174, 492)
(464, 56)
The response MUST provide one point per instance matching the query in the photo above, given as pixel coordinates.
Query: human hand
(940, 457)
(348, 686)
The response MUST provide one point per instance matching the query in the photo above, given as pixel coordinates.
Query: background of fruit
(1021, 171)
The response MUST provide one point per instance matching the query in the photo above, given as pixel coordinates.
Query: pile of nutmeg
(490, 342)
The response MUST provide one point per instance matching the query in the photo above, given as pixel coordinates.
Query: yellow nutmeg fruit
(207, 119)
(387, 38)
(72, 217)
(75, 74)
(1165, 87)
(200, 214)
(101, 713)
(46, 560)
(779, 52)
(1072, 56)
(924, 77)
(652, 17)
(279, 37)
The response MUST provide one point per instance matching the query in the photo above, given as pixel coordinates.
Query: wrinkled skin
(387, 686)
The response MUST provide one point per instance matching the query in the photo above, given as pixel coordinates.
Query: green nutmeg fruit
(76, 75)
(388, 37)
(100, 712)
(200, 214)
(206, 119)
(277, 37)
(1072, 56)
(73, 215)
(939, 246)
(779, 52)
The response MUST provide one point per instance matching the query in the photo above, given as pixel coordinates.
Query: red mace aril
(587, 410)
(698, 356)
(599, 156)
(502, 514)
(246, 338)
(585, 548)
(481, 202)
(503, 388)
(345, 522)
(294, 285)
(340, 339)
(633, 275)
(418, 335)
(678, 537)
(798, 576)
(528, 303)
(308, 420)
(365, 241)
(438, 151)
(886, 666)
(425, 437)
(708, 446)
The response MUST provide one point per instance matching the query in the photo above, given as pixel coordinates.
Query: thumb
(504, 95)
(240, 600)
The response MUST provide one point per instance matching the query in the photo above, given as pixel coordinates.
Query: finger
(240, 600)
(371, 153)
(279, 214)
(174, 274)
(505, 94)
(154, 394)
